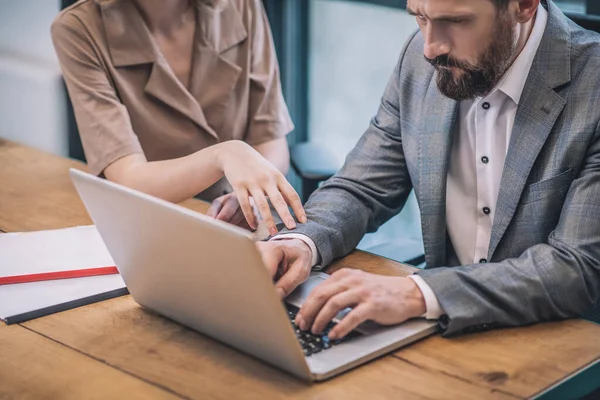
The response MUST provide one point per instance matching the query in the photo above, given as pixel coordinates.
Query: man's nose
(435, 45)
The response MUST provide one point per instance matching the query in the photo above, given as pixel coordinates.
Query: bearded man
(492, 116)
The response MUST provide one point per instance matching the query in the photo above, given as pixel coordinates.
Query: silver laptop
(209, 276)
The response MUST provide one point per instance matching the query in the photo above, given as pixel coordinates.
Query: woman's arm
(173, 180)
(276, 152)
(247, 171)
(112, 146)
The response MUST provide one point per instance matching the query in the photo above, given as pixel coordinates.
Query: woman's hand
(251, 175)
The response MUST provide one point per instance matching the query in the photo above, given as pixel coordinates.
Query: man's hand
(383, 299)
(288, 262)
(227, 208)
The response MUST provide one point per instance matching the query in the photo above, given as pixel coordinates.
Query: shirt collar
(513, 82)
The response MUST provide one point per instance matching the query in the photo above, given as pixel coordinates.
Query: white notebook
(50, 251)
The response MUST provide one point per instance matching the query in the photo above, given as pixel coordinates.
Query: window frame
(592, 7)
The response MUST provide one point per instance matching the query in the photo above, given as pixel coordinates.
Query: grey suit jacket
(545, 244)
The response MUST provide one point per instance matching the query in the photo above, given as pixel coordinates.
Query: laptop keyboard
(313, 344)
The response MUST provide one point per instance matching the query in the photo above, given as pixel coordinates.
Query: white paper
(26, 297)
(50, 251)
(54, 250)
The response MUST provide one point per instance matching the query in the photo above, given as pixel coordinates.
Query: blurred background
(335, 55)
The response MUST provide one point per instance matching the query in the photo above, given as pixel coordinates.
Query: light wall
(32, 103)
(354, 48)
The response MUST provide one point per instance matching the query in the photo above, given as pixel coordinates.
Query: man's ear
(526, 10)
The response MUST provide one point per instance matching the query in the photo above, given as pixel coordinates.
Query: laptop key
(311, 343)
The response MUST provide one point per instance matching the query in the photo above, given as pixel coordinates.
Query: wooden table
(116, 349)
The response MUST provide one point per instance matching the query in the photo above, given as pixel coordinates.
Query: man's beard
(477, 80)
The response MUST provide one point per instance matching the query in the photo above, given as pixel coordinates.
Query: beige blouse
(127, 99)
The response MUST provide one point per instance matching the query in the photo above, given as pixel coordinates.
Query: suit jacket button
(443, 322)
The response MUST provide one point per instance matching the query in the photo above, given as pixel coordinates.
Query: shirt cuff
(432, 306)
(309, 242)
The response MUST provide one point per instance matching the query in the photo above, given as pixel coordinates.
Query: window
(572, 6)
(353, 49)
(336, 57)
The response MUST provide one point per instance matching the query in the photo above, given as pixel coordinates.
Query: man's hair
(501, 4)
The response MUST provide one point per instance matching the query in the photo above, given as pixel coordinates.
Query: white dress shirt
(476, 164)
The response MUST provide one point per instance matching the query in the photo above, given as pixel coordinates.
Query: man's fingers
(315, 301)
(333, 306)
(239, 220)
(215, 207)
(354, 318)
(294, 276)
(272, 256)
(229, 209)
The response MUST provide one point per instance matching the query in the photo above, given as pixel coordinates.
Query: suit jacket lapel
(539, 108)
(533, 124)
(435, 140)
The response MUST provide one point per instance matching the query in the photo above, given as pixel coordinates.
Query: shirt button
(485, 160)
(486, 210)
(483, 261)
(486, 106)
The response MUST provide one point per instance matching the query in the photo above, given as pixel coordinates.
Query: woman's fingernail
(273, 230)
(303, 219)
(280, 292)
(291, 224)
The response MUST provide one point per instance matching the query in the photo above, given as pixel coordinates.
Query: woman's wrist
(222, 152)
(219, 154)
